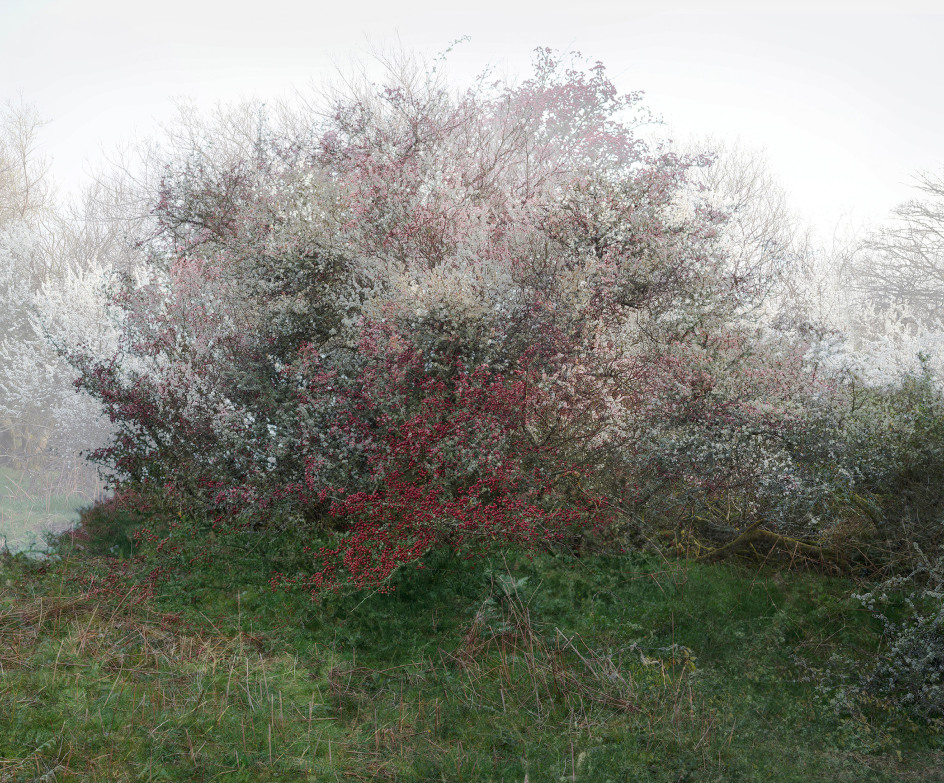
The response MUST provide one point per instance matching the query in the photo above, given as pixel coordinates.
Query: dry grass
(107, 690)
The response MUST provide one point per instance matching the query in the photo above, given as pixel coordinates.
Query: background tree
(52, 278)
(24, 184)
(901, 263)
(24, 204)
(883, 291)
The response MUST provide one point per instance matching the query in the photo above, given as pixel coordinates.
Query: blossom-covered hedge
(426, 318)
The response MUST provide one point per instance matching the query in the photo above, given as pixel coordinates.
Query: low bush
(895, 453)
(909, 672)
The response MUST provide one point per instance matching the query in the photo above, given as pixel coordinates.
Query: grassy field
(509, 669)
(30, 508)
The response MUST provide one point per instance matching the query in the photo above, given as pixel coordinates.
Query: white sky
(847, 104)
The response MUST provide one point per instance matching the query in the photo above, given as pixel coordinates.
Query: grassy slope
(549, 669)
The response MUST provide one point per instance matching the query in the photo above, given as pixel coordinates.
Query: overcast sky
(848, 104)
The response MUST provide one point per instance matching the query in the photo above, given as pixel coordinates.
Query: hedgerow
(422, 318)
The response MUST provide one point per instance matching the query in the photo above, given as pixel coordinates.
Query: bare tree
(901, 264)
(24, 185)
(766, 245)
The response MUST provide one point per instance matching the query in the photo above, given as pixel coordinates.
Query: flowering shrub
(910, 671)
(452, 464)
(894, 451)
(425, 319)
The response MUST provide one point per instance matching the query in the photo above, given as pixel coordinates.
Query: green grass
(501, 669)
